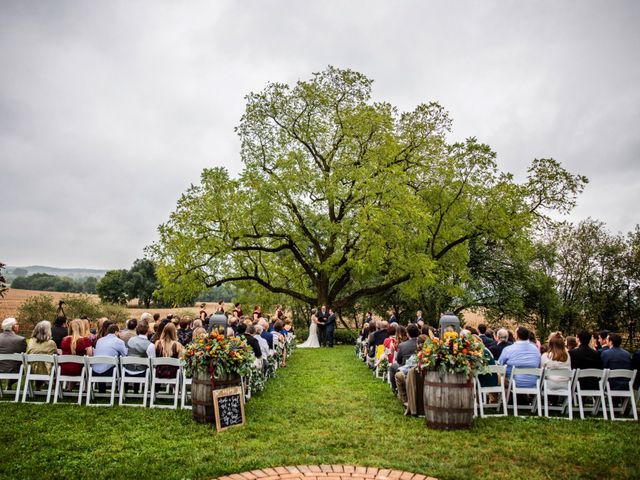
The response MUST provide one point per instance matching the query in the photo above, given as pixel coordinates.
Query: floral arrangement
(453, 354)
(383, 364)
(230, 355)
(257, 380)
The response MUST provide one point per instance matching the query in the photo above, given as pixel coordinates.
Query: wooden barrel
(201, 399)
(448, 400)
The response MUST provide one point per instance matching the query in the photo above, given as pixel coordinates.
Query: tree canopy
(343, 197)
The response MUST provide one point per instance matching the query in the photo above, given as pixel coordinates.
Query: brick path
(325, 472)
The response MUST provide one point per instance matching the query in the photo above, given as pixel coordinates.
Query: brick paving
(325, 472)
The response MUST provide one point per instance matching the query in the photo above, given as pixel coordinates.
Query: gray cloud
(109, 110)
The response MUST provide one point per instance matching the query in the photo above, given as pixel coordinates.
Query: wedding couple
(321, 328)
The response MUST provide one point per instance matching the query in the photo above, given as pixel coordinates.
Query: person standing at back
(322, 317)
(330, 327)
(59, 330)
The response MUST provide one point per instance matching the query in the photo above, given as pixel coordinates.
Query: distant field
(13, 298)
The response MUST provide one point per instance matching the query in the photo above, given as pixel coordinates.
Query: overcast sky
(109, 110)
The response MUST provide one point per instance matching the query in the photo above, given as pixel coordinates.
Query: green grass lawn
(324, 407)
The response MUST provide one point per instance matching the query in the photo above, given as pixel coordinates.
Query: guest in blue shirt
(523, 354)
(108, 346)
(616, 358)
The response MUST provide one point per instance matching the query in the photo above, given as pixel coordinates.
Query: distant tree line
(53, 283)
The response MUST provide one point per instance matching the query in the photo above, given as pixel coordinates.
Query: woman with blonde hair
(86, 328)
(76, 343)
(168, 347)
(199, 332)
(40, 343)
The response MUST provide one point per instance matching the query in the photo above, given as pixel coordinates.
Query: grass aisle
(324, 407)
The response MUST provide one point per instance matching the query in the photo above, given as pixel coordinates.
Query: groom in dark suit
(330, 327)
(322, 317)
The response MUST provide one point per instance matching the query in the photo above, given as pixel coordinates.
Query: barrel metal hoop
(200, 403)
(448, 409)
(449, 385)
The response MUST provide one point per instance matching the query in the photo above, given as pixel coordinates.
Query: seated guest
(11, 342)
(405, 350)
(534, 340)
(185, 333)
(616, 358)
(403, 372)
(391, 342)
(278, 326)
(377, 338)
(140, 346)
(101, 330)
(41, 343)
(199, 332)
(129, 332)
(287, 328)
(487, 379)
(59, 330)
(158, 328)
(601, 340)
(86, 329)
(248, 337)
(502, 341)
(268, 336)
(76, 343)
(256, 331)
(584, 357)
(571, 343)
(523, 354)
(486, 339)
(108, 345)
(556, 357)
(168, 347)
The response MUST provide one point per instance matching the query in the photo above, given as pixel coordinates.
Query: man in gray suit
(11, 342)
(405, 350)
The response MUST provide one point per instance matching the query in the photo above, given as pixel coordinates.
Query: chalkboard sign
(228, 404)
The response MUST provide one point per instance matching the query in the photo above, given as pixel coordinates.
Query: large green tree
(112, 287)
(141, 281)
(343, 197)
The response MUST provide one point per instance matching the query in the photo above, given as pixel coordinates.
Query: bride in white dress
(312, 340)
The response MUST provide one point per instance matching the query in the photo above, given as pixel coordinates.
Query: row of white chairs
(558, 382)
(121, 376)
(561, 383)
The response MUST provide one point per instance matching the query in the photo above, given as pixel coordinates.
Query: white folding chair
(131, 376)
(627, 394)
(17, 376)
(30, 360)
(596, 395)
(482, 392)
(183, 397)
(514, 390)
(246, 387)
(558, 382)
(61, 380)
(96, 379)
(167, 382)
